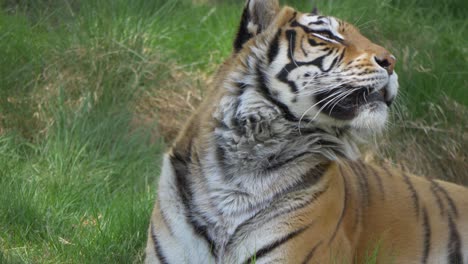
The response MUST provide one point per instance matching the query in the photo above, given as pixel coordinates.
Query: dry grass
(435, 146)
(169, 107)
(95, 76)
(59, 78)
(166, 94)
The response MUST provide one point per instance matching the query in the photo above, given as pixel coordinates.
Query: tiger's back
(404, 218)
(367, 214)
(267, 169)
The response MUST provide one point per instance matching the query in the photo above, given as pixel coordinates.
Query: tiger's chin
(371, 119)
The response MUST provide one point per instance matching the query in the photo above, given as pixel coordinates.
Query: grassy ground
(83, 85)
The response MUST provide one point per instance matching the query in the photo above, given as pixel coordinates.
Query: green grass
(77, 175)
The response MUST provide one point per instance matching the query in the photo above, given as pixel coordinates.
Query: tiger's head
(316, 69)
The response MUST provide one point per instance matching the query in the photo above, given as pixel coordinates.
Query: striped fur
(267, 170)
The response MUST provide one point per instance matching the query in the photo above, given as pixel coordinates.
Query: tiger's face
(323, 70)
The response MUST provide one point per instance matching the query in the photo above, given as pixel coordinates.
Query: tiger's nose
(386, 61)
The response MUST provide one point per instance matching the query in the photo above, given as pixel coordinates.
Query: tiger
(268, 169)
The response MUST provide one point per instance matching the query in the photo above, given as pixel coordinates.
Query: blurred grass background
(90, 91)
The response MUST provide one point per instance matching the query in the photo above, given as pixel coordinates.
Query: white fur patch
(371, 119)
(252, 28)
(392, 87)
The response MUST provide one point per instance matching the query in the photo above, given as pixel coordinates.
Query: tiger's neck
(247, 155)
(255, 133)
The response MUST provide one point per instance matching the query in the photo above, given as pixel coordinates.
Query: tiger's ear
(256, 17)
(315, 11)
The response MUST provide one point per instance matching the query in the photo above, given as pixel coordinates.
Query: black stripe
(413, 192)
(241, 86)
(305, 28)
(324, 32)
(320, 22)
(378, 179)
(426, 236)
(340, 58)
(291, 38)
(363, 195)
(454, 244)
(312, 42)
(293, 17)
(333, 63)
(327, 34)
(311, 253)
(318, 62)
(274, 47)
(221, 155)
(302, 47)
(274, 165)
(164, 218)
(238, 124)
(157, 247)
(345, 206)
(451, 203)
(262, 84)
(310, 178)
(437, 197)
(275, 244)
(180, 162)
(361, 174)
(243, 34)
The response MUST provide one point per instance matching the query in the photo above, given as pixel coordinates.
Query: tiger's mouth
(345, 106)
(376, 96)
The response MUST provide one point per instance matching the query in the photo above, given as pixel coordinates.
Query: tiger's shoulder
(382, 214)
